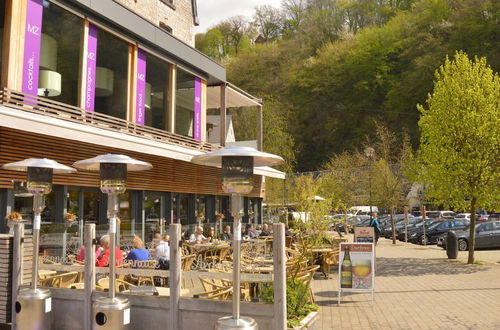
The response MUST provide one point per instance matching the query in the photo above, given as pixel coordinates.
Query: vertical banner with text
(197, 109)
(141, 87)
(91, 68)
(32, 41)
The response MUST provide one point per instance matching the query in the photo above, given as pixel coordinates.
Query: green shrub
(297, 300)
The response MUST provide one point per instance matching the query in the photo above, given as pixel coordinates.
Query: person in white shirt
(197, 237)
(162, 253)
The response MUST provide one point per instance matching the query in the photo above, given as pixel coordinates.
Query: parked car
(440, 214)
(354, 221)
(487, 236)
(494, 216)
(415, 227)
(435, 230)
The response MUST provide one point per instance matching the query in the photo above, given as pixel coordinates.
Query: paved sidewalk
(416, 288)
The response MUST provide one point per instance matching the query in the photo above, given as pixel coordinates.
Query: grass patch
(478, 262)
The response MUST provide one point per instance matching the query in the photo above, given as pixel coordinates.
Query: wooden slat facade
(167, 174)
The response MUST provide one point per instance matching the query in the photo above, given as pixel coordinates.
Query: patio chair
(307, 276)
(214, 291)
(142, 280)
(60, 281)
(187, 262)
(120, 285)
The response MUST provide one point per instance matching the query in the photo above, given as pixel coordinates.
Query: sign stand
(356, 269)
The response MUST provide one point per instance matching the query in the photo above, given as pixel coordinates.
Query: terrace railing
(62, 111)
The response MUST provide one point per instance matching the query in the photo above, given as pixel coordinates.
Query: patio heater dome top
(93, 164)
(23, 165)
(259, 158)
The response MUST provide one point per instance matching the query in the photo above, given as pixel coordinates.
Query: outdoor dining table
(321, 255)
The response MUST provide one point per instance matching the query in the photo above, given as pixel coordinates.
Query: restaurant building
(81, 78)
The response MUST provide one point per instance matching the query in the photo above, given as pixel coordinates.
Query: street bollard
(451, 245)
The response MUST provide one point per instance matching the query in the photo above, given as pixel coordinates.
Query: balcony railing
(50, 108)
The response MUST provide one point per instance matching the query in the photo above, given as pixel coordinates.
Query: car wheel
(462, 245)
(424, 239)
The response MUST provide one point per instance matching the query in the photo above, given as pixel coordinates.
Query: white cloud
(212, 12)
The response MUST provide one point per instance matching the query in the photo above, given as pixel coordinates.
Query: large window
(84, 203)
(184, 114)
(152, 213)
(111, 81)
(157, 88)
(60, 52)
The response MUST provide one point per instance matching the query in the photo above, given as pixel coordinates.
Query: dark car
(494, 216)
(355, 221)
(400, 225)
(415, 227)
(487, 236)
(435, 230)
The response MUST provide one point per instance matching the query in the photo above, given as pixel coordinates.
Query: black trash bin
(451, 245)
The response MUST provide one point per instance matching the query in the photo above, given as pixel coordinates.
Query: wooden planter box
(309, 322)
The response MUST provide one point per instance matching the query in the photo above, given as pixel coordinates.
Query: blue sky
(212, 12)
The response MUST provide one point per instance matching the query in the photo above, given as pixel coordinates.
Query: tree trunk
(472, 233)
(393, 226)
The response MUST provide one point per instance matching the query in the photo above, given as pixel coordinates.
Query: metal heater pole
(112, 211)
(237, 212)
(38, 206)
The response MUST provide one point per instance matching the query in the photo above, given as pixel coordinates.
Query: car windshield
(433, 214)
(461, 216)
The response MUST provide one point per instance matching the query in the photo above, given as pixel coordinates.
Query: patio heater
(237, 179)
(112, 312)
(34, 305)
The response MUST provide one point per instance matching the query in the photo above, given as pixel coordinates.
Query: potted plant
(69, 219)
(301, 312)
(12, 219)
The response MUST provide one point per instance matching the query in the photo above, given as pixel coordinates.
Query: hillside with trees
(330, 70)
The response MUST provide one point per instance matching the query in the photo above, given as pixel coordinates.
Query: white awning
(234, 98)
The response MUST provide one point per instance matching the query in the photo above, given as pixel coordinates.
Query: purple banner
(197, 109)
(141, 87)
(32, 40)
(91, 68)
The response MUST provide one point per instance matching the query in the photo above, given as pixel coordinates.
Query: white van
(362, 210)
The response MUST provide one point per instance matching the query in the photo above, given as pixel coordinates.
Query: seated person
(211, 234)
(227, 235)
(104, 252)
(138, 253)
(81, 255)
(265, 230)
(197, 237)
(250, 232)
(162, 253)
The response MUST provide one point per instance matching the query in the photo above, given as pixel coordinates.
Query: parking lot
(417, 287)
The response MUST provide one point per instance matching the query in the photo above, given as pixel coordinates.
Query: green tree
(211, 43)
(459, 156)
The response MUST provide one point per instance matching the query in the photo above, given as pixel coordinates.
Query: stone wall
(176, 14)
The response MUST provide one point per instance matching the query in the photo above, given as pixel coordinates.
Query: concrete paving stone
(417, 287)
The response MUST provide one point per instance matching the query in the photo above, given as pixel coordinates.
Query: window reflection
(111, 81)
(60, 54)
(157, 87)
(184, 97)
(152, 214)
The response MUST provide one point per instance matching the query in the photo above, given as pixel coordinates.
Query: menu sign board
(364, 234)
(356, 267)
